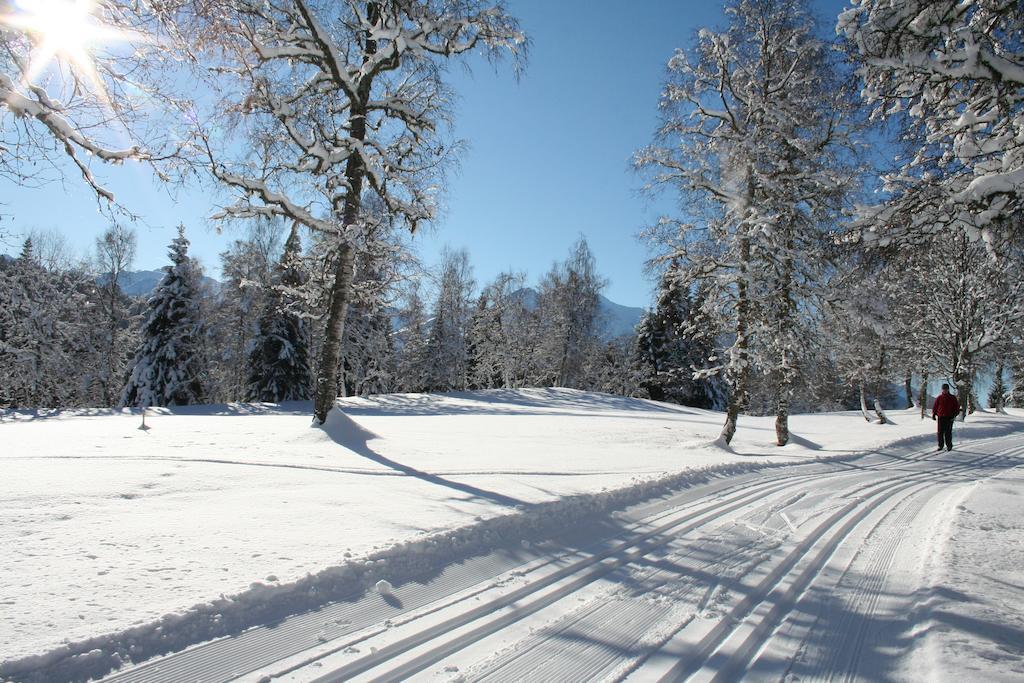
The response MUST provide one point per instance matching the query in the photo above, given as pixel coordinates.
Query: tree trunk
(909, 390)
(864, 403)
(880, 413)
(732, 413)
(922, 396)
(327, 372)
(787, 314)
(341, 291)
(741, 369)
(963, 391)
(782, 420)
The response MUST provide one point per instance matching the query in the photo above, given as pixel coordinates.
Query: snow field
(123, 538)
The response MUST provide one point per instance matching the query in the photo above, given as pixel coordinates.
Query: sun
(64, 31)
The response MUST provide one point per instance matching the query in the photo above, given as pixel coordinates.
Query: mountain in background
(616, 320)
(613, 320)
(141, 283)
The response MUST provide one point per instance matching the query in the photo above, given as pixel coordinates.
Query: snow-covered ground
(123, 542)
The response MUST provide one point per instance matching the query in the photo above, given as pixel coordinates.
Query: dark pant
(946, 432)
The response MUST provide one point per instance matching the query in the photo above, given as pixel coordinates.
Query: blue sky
(548, 157)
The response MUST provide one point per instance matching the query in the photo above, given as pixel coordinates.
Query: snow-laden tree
(966, 305)
(411, 339)
(499, 335)
(755, 140)
(1015, 397)
(48, 335)
(482, 340)
(115, 251)
(951, 74)
(77, 84)
(233, 314)
(998, 393)
(333, 99)
(567, 304)
(670, 345)
(610, 369)
(169, 368)
(384, 260)
(446, 351)
(278, 366)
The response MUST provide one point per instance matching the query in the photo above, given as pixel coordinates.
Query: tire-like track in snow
(695, 585)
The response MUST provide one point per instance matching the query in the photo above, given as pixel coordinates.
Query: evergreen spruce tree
(169, 367)
(997, 396)
(648, 346)
(278, 367)
(673, 344)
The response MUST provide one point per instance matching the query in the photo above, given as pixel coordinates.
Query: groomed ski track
(762, 576)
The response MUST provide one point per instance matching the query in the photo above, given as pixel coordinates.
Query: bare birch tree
(334, 99)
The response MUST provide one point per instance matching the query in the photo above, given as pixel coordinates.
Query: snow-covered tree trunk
(738, 376)
(864, 403)
(327, 376)
(922, 396)
(782, 412)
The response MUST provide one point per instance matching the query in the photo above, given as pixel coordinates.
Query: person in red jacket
(945, 410)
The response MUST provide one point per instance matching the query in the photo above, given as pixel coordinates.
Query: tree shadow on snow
(347, 433)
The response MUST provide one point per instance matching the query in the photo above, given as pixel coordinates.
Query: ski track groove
(186, 665)
(816, 549)
(432, 656)
(843, 653)
(770, 510)
(265, 648)
(599, 614)
(620, 556)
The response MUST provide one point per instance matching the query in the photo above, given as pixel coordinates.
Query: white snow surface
(110, 529)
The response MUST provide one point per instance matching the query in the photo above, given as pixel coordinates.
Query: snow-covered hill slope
(119, 540)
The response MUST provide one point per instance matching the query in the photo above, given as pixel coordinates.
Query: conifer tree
(446, 351)
(411, 340)
(278, 365)
(247, 268)
(672, 344)
(169, 367)
(997, 395)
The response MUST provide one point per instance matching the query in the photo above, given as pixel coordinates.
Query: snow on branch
(53, 116)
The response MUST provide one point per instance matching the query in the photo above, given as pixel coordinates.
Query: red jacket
(946, 405)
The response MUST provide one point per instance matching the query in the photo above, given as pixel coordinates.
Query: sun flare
(65, 32)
